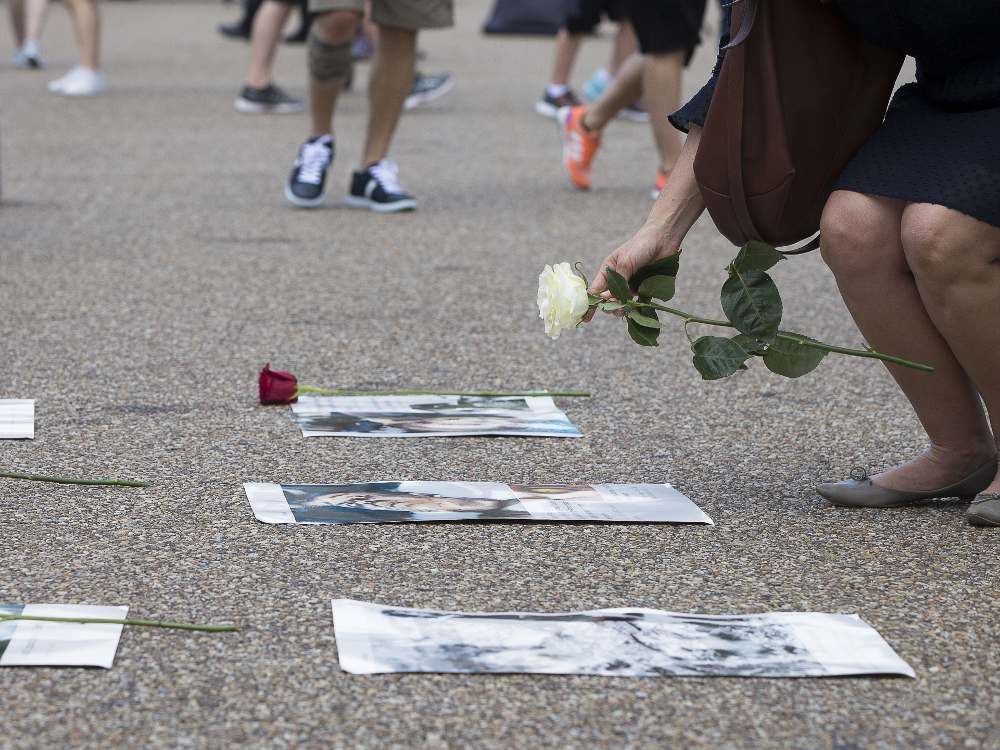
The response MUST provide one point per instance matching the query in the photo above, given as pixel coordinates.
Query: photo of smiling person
(387, 502)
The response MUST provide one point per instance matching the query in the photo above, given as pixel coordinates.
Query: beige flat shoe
(985, 510)
(862, 492)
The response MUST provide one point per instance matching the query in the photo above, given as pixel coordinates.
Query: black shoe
(307, 184)
(550, 105)
(239, 30)
(428, 88)
(377, 189)
(268, 100)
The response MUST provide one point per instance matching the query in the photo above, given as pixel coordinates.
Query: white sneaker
(29, 56)
(80, 81)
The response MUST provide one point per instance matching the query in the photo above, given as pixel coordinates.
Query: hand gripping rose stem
(869, 353)
(143, 623)
(64, 480)
(309, 389)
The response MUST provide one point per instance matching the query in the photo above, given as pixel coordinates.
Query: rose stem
(64, 480)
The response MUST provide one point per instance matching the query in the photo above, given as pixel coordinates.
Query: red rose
(277, 387)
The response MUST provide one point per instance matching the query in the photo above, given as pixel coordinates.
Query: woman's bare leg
(34, 18)
(864, 247)
(626, 43)
(87, 25)
(625, 89)
(956, 264)
(661, 83)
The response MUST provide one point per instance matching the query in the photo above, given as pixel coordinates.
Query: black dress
(940, 141)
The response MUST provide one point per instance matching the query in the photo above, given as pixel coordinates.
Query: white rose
(562, 299)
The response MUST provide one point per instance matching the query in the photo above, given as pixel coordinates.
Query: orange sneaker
(579, 145)
(661, 182)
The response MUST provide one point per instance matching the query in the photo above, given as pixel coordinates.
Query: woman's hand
(673, 214)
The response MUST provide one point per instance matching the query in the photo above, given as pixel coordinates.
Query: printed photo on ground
(431, 416)
(374, 638)
(401, 502)
(17, 418)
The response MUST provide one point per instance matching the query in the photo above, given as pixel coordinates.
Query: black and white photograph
(37, 643)
(374, 638)
(410, 501)
(431, 416)
(17, 418)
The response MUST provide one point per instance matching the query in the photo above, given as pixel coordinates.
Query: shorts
(583, 16)
(667, 25)
(398, 14)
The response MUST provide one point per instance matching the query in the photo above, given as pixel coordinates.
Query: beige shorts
(400, 14)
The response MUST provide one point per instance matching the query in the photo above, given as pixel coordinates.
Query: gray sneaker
(428, 88)
(268, 100)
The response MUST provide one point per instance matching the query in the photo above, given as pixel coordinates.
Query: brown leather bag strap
(749, 14)
(736, 58)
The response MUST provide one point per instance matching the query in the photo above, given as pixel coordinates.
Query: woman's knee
(859, 233)
(935, 239)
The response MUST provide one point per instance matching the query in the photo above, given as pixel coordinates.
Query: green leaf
(657, 287)
(748, 344)
(663, 267)
(617, 285)
(641, 334)
(717, 357)
(606, 304)
(755, 254)
(752, 304)
(791, 359)
(594, 299)
(641, 319)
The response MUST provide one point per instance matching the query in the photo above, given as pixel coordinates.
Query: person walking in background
(260, 95)
(85, 78)
(27, 18)
(375, 186)
(582, 20)
(241, 29)
(668, 31)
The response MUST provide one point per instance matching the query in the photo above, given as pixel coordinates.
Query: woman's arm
(674, 213)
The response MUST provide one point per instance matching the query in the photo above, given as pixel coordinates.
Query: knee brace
(328, 61)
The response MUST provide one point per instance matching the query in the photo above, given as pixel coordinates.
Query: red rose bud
(277, 387)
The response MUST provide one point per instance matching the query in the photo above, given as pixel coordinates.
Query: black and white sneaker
(428, 88)
(268, 100)
(549, 105)
(377, 189)
(307, 184)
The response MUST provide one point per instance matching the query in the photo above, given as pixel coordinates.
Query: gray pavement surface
(149, 266)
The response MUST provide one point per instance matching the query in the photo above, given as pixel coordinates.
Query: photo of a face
(432, 422)
(381, 502)
(471, 403)
(577, 493)
(373, 638)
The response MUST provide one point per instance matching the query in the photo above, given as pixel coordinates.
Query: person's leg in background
(260, 95)
(87, 78)
(27, 18)
(329, 64)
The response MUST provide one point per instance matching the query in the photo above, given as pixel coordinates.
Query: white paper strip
(60, 644)
(401, 502)
(17, 418)
(373, 638)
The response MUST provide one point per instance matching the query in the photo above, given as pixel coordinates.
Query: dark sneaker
(549, 106)
(269, 100)
(239, 30)
(307, 184)
(377, 188)
(428, 88)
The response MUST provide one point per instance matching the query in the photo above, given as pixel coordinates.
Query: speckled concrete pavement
(150, 266)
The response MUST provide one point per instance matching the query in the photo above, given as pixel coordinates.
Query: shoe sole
(415, 100)
(256, 108)
(408, 204)
(560, 123)
(303, 202)
(547, 110)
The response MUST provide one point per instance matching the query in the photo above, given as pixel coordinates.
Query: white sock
(555, 90)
